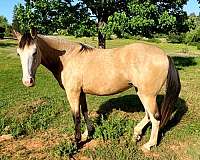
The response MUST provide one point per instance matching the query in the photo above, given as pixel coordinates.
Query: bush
(154, 40)
(65, 149)
(193, 43)
(2, 32)
(176, 38)
(62, 32)
(193, 36)
(198, 46)
(160, 35)
(137, 37)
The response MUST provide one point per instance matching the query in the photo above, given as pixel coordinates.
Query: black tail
(173, 88)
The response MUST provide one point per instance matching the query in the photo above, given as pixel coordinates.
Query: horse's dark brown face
(30, 58)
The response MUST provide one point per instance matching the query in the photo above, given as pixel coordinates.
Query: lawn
(40, 124)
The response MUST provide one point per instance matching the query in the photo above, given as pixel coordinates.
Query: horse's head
(29, 56)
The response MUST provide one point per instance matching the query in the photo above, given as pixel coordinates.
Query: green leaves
(3, 22)
(146, 18)
(122, 18)
(49, 16)
(167, 22)
(116, 24)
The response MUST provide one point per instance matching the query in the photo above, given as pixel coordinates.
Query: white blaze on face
(27, 61)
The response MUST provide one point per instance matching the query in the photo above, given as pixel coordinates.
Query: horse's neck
(50, 58)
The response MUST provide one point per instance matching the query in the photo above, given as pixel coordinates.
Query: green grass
(40, 120)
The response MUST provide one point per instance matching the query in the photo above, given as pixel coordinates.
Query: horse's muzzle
(29, 82)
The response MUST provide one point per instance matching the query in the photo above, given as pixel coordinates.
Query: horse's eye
(17, 54)
(34, 53)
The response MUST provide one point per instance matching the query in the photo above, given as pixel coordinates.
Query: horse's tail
(173, 87)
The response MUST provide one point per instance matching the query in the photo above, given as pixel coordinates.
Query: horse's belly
(99, 87)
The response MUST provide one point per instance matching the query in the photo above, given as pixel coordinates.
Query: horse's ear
(33, 32)
(17, 35)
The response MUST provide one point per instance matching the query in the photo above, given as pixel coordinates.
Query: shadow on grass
(181, 62)
(132, 103)
(7, 44)
(127, 103)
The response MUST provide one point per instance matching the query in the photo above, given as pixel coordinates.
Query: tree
(102, 9)
(20, 21)
(138, 17)
(4, 27)
(117, 24)
(3, 22)
(120, 17)
(49, 16)
(148, 17)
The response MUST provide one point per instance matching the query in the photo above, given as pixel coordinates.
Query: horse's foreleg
(150, 105)
(90, 128)
(138, 128)
(74, 101)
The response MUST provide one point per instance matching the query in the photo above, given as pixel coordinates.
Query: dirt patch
(33, 144)
(180, 149)
(38, 156)
(32, 147)
(80, 158)
(150, 154)
(91, 145)
(6, 137)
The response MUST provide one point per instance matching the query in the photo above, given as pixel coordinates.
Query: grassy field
(40, 124)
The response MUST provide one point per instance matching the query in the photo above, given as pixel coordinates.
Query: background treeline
(109, 19)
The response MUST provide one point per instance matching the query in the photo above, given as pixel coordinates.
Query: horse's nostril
(31, 80)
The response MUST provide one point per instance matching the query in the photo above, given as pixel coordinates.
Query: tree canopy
(147, 18)
(103, 17)
(3, 22)
(5, 27)
(49, 16)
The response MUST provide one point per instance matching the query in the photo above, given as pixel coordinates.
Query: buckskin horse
(80, 70)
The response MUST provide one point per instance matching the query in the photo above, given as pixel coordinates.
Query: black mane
(26, 39)
(85, 48)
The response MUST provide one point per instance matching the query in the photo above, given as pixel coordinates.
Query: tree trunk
(102, 40)
(101, 36)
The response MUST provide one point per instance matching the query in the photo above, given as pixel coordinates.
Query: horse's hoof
(137, 138)
(146, 148)
(84, 136)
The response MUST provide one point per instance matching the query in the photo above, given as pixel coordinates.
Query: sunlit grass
(43, 112)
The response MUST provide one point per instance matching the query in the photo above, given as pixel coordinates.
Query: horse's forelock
(26, 39)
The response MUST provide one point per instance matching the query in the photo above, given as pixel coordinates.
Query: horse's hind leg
(90, 128)
(150, 105)
(138, 128)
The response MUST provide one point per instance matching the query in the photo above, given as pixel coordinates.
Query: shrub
(65, 149)
(2, 32)
(137, 37)
(113, 128)
(193, 36)
(198, 46)
(176, 38)
(193, 43)
(63, 32)
(154, 40)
